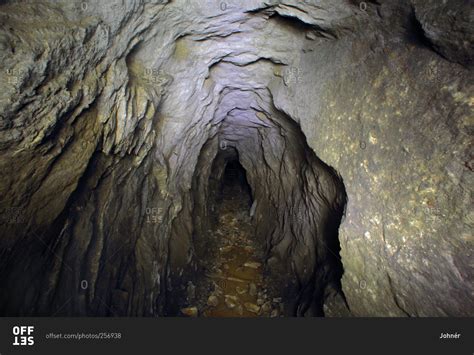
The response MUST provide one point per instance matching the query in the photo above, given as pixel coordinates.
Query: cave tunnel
(234, 184)
(252, 195)
(258, 159)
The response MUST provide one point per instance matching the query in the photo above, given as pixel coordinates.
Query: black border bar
(246, 336)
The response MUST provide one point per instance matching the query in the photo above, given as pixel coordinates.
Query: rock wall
(395, 120)
(113, 115)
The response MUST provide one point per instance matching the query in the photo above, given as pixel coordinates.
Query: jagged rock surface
(117, 119)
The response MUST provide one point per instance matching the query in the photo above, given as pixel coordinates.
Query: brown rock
(190, 311)
(212, 301)
(251, 307)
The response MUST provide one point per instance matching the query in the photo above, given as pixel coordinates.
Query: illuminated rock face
(118, 118)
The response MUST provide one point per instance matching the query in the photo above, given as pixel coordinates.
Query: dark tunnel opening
(266, 214)
(234, 186)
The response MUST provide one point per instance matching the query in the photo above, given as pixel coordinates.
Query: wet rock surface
(118, 118)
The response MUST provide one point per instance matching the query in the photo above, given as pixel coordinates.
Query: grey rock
(449, 27)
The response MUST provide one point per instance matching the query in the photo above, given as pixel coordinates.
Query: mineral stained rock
(117, 119)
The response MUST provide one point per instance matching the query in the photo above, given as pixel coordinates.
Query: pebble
(230, 301)
(235, 279)
(226, 249)
(191, 291)
(251, 307)
(230, 304)
(252, 264)
(212, 301)
(274, 313)
(252, 289)
(232, 297)
(190, 311)
(260, 301)
(266, 307)
(240, 290)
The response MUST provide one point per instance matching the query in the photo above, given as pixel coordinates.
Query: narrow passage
(234, 284)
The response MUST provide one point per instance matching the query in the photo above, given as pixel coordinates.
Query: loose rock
(212, 301)
(251, 307)
(190, 311)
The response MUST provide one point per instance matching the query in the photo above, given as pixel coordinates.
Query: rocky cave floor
(233, 282)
